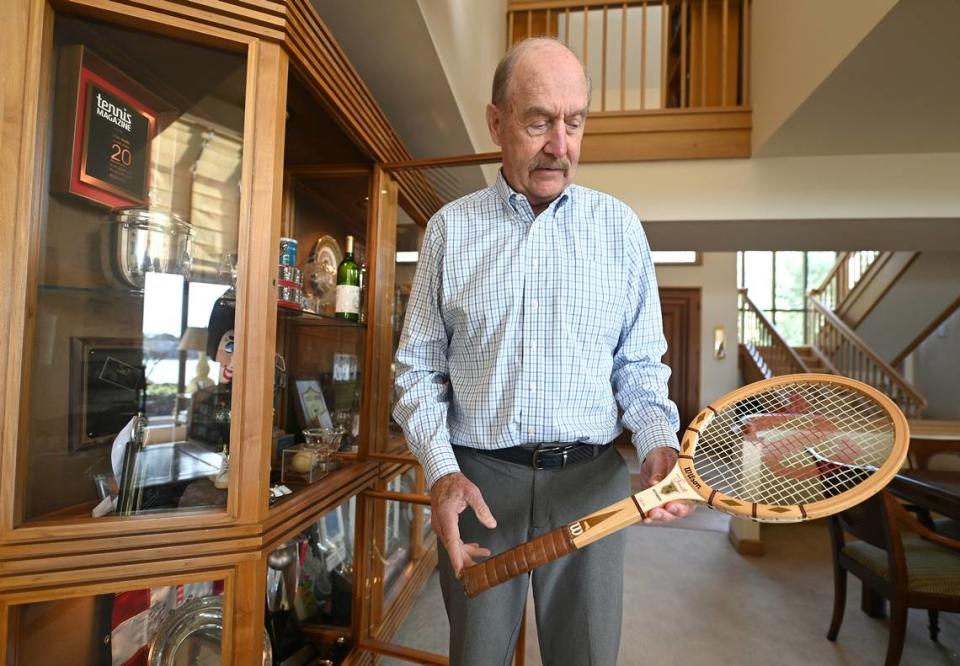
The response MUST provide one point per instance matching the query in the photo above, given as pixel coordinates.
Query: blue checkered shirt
(524, 329)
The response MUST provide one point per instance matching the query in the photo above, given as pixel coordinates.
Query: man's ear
(494, 123)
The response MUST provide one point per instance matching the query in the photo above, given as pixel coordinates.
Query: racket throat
(675, 486)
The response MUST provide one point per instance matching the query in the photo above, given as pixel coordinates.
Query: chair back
(868, 521)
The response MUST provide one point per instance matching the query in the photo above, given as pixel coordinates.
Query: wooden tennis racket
(786, 449)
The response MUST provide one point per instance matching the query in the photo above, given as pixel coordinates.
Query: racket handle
(518, 560)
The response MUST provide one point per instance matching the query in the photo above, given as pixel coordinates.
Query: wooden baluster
(643, 56)
(684, 66)
(745, 50)
(586, 40)
(723, 56)
(529, 23)
(603, 62)
(703, 53)
(566, 25)
(664, 42)
(623, 57)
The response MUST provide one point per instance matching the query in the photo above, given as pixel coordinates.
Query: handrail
(855, 359)
(702, 54)
(766, 346)
(844, 276)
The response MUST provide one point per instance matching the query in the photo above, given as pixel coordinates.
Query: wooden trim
(926, 332)
(110, 584)
(383, 214)
(260, 199)
(451, 161)
(660, 135)
(27, 52)
(403, 653)
(410, 498)
(210, 26)
(31, 584)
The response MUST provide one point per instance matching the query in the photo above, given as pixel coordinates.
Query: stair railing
(844, 276)
(764, 343)
(853, 358)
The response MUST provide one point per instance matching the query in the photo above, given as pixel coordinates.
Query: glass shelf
(305, 317)
(104, 292)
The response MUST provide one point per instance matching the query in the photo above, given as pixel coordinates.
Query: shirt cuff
(652, 436)
(437, 460)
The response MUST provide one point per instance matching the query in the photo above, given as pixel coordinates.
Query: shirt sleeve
(422, 376)
(639, 376)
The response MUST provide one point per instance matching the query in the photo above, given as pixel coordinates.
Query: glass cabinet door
(129, 372)
(172, 623)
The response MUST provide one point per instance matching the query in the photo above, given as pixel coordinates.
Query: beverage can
(288, 251)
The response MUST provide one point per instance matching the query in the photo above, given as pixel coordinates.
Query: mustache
(550, 163)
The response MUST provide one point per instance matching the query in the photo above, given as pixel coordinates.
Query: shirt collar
(518, 203)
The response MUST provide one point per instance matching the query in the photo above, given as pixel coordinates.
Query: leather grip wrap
(520, 559)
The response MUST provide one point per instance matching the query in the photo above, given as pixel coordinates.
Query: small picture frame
(106, 384)
(311, 405)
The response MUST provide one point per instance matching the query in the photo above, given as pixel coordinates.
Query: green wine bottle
(348, 286)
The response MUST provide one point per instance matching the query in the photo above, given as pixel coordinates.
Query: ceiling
(896, 92)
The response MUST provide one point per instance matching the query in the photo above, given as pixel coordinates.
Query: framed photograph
(104, 127)
(311, 405)
(106, 381)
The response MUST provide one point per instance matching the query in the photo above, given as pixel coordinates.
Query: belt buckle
(550, 450)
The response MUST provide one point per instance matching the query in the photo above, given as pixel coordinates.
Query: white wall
(795, 45)
(785, 188)
(717, 280)
(470, 38)
(936, 366)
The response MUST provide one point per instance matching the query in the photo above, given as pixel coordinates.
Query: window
(777, 283)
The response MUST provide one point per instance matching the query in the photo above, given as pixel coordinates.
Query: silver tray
(193, 634)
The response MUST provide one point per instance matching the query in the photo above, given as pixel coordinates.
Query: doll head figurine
(220, 342)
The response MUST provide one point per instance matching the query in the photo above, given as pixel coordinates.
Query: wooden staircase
(813, 361)
(834, 347)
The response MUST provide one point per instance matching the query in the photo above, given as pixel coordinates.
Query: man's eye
(538, 127)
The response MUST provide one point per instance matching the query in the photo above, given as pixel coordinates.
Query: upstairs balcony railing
(649, 55)
(844, 277)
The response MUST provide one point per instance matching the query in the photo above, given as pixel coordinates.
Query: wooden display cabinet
(262, 130)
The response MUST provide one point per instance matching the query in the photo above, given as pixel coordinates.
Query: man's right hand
(449, 497)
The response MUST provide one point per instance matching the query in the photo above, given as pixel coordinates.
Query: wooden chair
(897, 558)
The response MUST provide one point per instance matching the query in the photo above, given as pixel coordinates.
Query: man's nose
(556, 141)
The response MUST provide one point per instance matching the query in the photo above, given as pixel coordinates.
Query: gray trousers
(578, 599)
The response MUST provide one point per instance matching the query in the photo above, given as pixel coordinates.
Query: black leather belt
(548, 457)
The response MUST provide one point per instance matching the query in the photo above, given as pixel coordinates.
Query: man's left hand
(655, 467)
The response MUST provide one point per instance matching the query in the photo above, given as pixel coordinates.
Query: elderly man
(534, 312)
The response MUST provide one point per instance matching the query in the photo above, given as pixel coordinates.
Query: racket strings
(794, 444)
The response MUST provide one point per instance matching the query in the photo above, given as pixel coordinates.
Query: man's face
(540, 130)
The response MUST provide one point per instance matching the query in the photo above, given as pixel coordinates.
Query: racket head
(794, 447)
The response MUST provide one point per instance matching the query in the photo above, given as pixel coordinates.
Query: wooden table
(934, 490)
(929, 437)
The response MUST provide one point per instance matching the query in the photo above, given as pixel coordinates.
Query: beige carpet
(690, 599)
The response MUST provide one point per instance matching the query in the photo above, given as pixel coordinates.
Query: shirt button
(535, 263)
(533, 387)
(536, 304)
